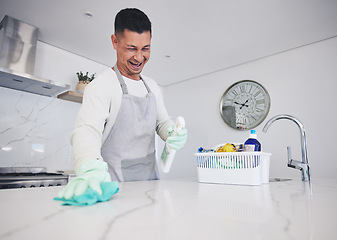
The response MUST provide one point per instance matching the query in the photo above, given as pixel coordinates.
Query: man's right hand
(89, 174)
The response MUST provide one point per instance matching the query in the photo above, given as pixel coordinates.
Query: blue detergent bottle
(252, 144)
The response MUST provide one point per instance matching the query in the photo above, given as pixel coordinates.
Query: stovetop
(22, 177)
(9, 170)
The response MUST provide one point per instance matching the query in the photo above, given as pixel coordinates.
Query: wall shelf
(71, 96)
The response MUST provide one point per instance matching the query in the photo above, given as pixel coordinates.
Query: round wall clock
(244, 105)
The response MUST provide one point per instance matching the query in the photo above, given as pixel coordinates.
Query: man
(114, 135)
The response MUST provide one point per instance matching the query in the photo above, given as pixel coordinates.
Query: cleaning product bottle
(168, 153)
(252, 144)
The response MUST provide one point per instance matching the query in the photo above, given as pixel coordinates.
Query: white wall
(61, 66)
(301, 82)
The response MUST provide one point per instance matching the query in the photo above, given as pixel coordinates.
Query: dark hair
(132, 19)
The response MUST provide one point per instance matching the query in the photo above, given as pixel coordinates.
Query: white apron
(129, 149)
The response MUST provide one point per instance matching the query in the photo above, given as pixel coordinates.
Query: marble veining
(177, 209)
(35, 130)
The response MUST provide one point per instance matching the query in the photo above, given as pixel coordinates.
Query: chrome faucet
(304, 165)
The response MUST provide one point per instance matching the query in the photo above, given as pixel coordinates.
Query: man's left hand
(178, 140)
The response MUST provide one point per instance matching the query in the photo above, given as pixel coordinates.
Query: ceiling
(190, 38)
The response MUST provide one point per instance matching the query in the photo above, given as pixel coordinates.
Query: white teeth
(136, 64)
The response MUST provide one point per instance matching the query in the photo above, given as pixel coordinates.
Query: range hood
(18, 42)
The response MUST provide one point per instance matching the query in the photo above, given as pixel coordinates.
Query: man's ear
(114, 41)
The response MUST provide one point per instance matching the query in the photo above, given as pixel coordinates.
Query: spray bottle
(168, 153)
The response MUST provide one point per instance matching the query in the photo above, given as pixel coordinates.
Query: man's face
(133, 51)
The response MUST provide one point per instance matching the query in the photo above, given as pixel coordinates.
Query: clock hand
(241, 103)
(244, 104)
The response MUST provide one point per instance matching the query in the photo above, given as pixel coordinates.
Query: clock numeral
(241, 120)
(255, 90)
(261, 101)
(250, 89)
(257, 93)
(259, 111)
(227, 103)
(235, 93)
(228, 98)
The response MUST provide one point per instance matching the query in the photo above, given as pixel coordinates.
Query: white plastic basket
(243, 168)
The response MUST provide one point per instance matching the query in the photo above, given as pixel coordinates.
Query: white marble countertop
(177, 209)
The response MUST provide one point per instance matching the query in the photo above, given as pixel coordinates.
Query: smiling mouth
(136, 65)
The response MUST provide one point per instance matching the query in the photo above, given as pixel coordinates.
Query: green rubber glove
(176, 140)
(89, 174)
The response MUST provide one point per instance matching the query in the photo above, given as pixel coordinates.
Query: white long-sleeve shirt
(101, 103)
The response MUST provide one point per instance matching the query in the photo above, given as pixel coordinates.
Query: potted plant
(83, 81)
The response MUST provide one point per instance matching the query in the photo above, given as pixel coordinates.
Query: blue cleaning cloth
(91, 197)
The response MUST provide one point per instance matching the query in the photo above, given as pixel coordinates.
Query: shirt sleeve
(86, 138)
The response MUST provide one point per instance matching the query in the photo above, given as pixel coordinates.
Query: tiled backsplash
(35, 130)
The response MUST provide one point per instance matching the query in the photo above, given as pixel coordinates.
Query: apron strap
(121, 80)
(147, 87)
(122, 83)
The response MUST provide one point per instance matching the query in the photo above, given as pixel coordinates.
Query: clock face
(245, 105)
